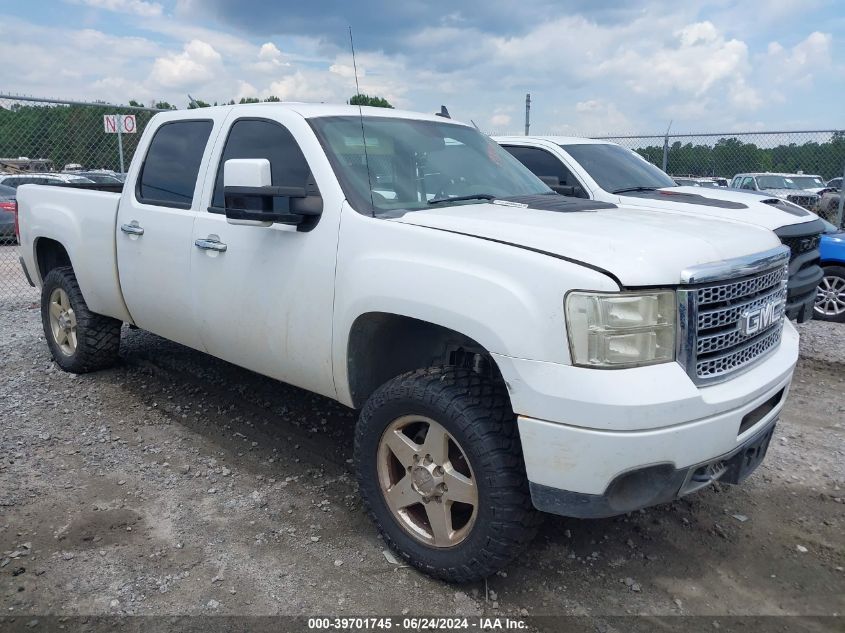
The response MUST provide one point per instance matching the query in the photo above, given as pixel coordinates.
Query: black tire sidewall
(97, 336)
(457, 421)
(58, 279)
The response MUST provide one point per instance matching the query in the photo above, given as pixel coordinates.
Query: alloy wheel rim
(63, 322)
(427, 481)
(830, 296)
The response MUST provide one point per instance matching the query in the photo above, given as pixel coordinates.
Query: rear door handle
(132, 229)
(210, 245)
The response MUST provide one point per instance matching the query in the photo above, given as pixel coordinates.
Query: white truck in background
(601, 170)
(510, 349)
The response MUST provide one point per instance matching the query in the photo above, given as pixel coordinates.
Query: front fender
(508, 299)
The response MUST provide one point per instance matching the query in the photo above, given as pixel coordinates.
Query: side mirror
(553, 183)
(251, 199)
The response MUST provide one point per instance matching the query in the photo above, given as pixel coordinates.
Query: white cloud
(269, 52)
(134, 7)
(688, 62)
(500, 121)
(195, 65)
(302, 86)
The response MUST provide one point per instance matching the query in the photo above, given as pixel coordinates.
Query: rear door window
(169, 173)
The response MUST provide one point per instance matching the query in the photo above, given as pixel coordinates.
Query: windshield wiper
(629, 189)
(473, 196)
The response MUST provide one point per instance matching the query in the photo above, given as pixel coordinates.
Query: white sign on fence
(123, 122)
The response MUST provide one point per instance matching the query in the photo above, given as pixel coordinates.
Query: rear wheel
(440, 469)
(830, 295)
(80, 340)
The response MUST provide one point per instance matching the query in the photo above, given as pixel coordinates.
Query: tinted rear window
(169, 173)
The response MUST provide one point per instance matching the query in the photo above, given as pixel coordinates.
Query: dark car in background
(8, 215)
(101, 177)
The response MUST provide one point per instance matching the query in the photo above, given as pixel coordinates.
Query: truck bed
(83, 221)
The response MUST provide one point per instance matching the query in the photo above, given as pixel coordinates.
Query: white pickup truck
(510, 349)
(601, 170)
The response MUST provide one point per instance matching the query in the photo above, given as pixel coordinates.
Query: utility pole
(666, 147)
(527, 112)
(840, 218)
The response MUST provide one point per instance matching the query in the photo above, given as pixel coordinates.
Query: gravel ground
(179, 484)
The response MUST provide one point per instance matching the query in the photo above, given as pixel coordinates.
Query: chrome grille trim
(723, 340)
(735, 359)
(715, 299)
(709, 319)
(728, 292)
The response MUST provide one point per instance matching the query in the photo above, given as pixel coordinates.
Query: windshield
(775, 182)
(807, 182)
(615, 168)
(413, 163)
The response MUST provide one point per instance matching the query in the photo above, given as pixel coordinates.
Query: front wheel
(441, 472)
(80, 340)
(830, 295)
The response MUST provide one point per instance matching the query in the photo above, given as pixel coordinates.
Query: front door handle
(132, 229)
(208, 244)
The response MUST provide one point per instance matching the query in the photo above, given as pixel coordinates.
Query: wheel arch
(383, 345)
(49, 254)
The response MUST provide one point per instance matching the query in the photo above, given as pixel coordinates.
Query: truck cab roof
(307, 111)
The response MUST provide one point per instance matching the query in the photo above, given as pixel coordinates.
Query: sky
(591, 66)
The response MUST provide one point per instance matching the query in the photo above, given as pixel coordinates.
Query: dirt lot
(179, 484)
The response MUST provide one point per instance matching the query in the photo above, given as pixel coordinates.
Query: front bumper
(581, 429)
(661, 483)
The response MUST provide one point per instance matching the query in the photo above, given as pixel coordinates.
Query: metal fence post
(839, 218)
(665, 152)
(120, 141)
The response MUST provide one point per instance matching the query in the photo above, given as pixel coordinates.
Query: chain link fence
(818, 153)
(41, 138)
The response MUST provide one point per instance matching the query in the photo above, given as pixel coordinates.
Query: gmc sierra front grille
(801, 244)
(804, 266)
(808, 202)
(728, 325)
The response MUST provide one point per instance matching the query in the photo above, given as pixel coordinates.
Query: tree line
(730, 156)
(75, 134)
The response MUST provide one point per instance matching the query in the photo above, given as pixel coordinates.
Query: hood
(636, 246)
(739, 206)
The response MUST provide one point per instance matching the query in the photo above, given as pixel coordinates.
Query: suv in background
(809, 182)
(697, 181)
(779, 185)
(604, 171)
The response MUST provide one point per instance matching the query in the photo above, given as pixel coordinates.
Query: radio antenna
(361, 117)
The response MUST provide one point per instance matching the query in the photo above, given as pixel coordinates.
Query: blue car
(830, 296)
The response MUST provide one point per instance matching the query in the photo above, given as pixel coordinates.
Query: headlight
(616, 330)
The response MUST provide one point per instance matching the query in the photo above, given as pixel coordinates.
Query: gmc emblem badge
(753, 321)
